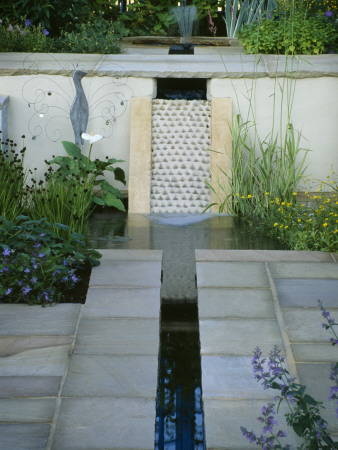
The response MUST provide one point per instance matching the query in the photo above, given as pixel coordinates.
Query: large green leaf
(72, 149)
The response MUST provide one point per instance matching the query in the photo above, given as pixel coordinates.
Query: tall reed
(263, 167)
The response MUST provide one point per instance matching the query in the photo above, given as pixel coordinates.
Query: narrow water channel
(179, 408)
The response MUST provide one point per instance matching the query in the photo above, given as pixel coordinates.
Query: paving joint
(287, 346)
(54, 420)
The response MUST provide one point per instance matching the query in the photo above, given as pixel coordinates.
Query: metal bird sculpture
(79, 110)
(53, 102)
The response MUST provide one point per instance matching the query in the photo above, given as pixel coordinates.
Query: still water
(179, 409)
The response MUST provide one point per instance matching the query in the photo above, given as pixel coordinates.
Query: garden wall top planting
(154, 62)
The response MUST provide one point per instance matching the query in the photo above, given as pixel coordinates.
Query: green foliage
(54, 15)
(23, 38)
(69, 191)
(13, 177)
(98, 36)
(147, 18)
(296, 34)
(36, 265)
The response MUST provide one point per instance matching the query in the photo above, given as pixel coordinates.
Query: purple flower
(328, 13)
(9, 290)
(27, 23)
(75, 279)
(42, 234)
(27, 270)
(25, 290)
(45, 32)
(34, 280)
(248, 435)
(10, 28)
(6, 252)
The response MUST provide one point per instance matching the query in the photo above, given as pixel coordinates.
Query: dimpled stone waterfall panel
(180, 156)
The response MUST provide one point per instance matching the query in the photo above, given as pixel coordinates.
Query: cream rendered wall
(314, 113)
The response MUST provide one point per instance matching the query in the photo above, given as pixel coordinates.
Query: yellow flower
(249, 195)
(286, 226)
(275, 224)
(324, 224)
(294, 193)
(266, 193)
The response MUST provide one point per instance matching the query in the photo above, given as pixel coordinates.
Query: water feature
(186, 18)
(179, 412)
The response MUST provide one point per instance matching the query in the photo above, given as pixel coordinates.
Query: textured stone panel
(180, 156)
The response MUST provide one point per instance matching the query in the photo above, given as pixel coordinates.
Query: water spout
(186, 17)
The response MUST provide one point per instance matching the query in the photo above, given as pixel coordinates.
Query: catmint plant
(329, 325)
(303, 410)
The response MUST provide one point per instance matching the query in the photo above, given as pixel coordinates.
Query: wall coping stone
(228, 62)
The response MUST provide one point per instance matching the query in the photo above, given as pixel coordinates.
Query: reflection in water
(179, 413)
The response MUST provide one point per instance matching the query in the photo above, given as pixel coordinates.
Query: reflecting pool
(179, 409)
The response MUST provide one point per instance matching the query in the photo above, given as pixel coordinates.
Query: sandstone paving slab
(118, 336)
(237, 303)
(126, 273)
(23, 436)
(238, 337)
(122, 302)
(109, 375)
(304, 325)
(47, 361)
(261, 255)
(230, 377)
(105, 423)
(131, 255)
(12, 345)
(27, 410)
(316, 378)
(304, 270)
(223, 419)
(231, 274)
(314, 352)
(14, 386)
(34, 320)
(304, 292)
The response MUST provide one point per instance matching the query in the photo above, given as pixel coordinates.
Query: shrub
(289, 34)
(99, 36)
(37, 266)
(27, 38)
(54, 16)
(67, 194)
(306, 226)
(13, 177)
(147, 18)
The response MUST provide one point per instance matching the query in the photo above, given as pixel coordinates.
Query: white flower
(91, 138)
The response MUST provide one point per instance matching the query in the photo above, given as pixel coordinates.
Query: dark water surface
(179, 409)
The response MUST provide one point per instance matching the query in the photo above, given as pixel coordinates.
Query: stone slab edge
(263, 256)
(242, 66)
